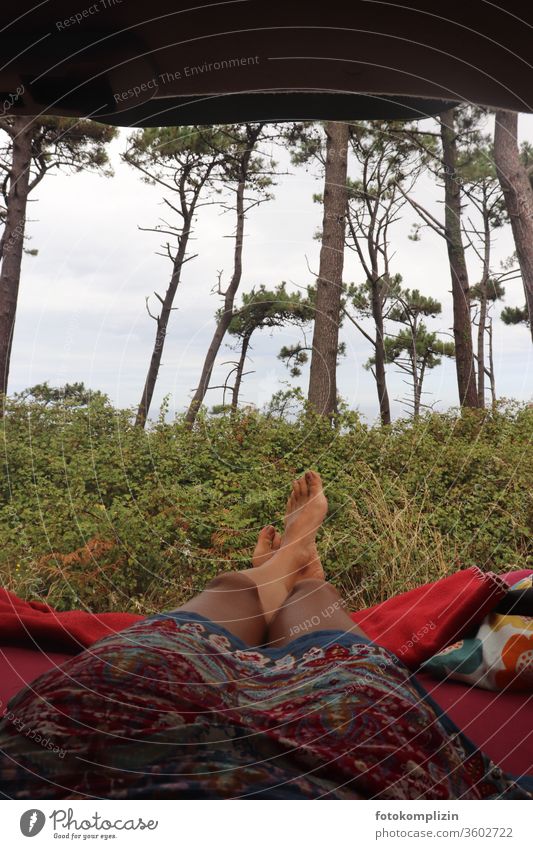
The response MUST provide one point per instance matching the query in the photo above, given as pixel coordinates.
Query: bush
(100, 514)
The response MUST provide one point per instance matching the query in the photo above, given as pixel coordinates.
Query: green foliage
(100, 514)
(73, 144)
(287, 404)
(295, 356)
(267, 308)
(410, 304)
(359, 296)
(495, 291)
(515, 315)
(211, 155)
(169, 144)
(414, 348)
(307, 142)
(428, 347)
(75, 394)
(66, 144)
(160, 152)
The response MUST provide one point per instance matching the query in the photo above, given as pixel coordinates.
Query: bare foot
(268, 542)
(306, 510)
(314, 568)
(297, 556)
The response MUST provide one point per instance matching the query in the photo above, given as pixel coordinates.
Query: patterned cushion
(498, 657)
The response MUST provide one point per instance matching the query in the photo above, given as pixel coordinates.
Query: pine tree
(514, 176)
(390, 164)
(264, 308)
(327, 145)
(244, 170)
(486, 214)
(415, 349)
(32, 148)
(185, 162)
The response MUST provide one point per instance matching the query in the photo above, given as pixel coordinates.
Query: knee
(322, 597)
(314, 588)
(231, 582)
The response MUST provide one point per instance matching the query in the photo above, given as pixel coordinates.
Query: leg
(313, 605)
(232, 601)
(268, 542)
(295, 556)
(245, 602)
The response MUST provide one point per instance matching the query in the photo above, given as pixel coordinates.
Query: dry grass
(391, 545)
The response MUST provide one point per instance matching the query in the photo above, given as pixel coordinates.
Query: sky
(82, 314)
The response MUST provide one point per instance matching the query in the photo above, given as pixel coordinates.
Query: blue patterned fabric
(177, 707)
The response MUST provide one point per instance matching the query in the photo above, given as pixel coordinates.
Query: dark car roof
(168, 62)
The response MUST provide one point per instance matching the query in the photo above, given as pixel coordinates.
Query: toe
(263, 548)
(314, 482)
(289, 509)
(276, 541)
(264, 540)
(266, 534)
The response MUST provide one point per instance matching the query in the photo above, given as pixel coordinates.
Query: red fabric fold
(36, 625)
(416, 624)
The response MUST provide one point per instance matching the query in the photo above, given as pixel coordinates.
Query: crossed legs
(285, 593)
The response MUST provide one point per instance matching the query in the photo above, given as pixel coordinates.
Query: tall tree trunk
(483, 290)
(462, 327)
(239, 373)
(12, 243)
(421, 377)
(417, 385)
(162, 323)
(229, 299)
(417, 393)
(379, 367)
(322, 380)
(518, 195)
(481, 347)
(417, 379)
(492, 376)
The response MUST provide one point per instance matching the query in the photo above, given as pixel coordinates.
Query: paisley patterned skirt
(177, 707)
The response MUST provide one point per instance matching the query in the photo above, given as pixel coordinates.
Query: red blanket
(36, 625)
(416, 624)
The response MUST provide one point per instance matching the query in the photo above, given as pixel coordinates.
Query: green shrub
(100, 514)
